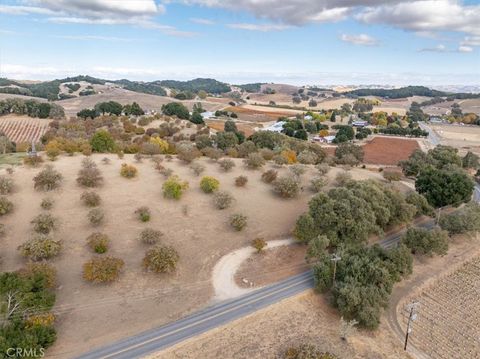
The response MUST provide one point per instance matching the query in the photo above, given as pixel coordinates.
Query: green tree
(463, 220)
(134, 109)
(102, 141)
(226, 140)
(470, 160)
(176, 109)
(425, 242)
(442, 187)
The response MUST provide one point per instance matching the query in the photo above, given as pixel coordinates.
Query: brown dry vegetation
(388, 151)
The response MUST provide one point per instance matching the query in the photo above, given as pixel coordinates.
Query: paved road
(216, 315)
(432, 136)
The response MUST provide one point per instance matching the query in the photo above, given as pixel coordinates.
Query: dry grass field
(91, 315)
(146, 101)
(23, 128)
(465, 138)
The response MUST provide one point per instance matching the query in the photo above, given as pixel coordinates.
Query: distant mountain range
(70, 87)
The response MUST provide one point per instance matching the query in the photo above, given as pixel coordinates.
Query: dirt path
(223, 277)
(426, 271)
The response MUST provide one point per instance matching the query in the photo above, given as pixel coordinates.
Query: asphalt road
(221, 313)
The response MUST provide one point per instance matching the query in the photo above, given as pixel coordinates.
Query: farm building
(276, 127)
(207, 115)
(359, 123)
(326, 139)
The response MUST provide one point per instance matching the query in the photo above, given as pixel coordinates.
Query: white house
(359, 123)
(207, 115)
(308, 118)
(276, 127)
(326, 139)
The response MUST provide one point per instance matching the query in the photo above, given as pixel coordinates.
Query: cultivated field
(448, 319)
(388, 150)
(91, 315)
(23, 128)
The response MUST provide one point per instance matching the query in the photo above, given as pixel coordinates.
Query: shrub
(209, 184)
(96, 217)
(43, 270)
(269, 176)
(6, 185)
(280, 160)
(241, 181)
(343, 178)
(52, 149)
(197, 168)
(2, 233)
(165, 172)
(102, 141)
(106, 160)
(238, 222)
(287, 186)
(391, 176)
(40, 247)
(47, 203)
(48, 179)
(222, 199)
(212, 153)
(128, 171)
(290, 156)
(318, 183)
(267, 154)
(259, 244)
(98, 242)
(306, 351)
(254, 160)
(33, 161)
(226, 164)
(150, 236)
(44, 223)
(89, 175)
(297, 170)
(173, 188)
(161, 259)
(323, 169)
(307, 157)
(6, 206)
(143, 213)
(90, 199)
(102, 269)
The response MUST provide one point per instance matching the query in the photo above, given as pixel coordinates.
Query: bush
(33, 161)
(44, 223)
(96, 217)
(6, 206)
(241, 181)
(267, 154)
(280, 160)
(226, 164)
(98, 242)
(43, 270)
(143, 213)
(318, 183)
(197, 168)
(173, 188)
(89, 175)
(297, 170)
(269, 176)
(323, 169)
(128, 171)
(213, 153)
(287, 186)
(48, 179)
(102, 141)
(90, 199)
(307, 157)
(238, 222)
(306, 351)
(254, 160)
(150, 236)
(6, 185)
(161, 259)
(259, 244)
(425, 242)
(102, 269)
(3, 232)
(209, 184)
(391, 176)
(222, 199)
(40, 247)
(47, 203)
(343, 178)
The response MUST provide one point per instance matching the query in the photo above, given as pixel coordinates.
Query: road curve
(216, 315)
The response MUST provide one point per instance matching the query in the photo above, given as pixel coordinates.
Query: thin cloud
(360, 39)
(259, 27)
(92, 37)
(202, 21)
(443, 49)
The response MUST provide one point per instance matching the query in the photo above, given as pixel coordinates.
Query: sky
(303, 42)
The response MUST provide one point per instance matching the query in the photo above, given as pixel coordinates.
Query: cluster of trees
(408, 91)
(403, 131)
(344, 133)
(196, 85)
(143, 87)
(440, 176)
(251, 88)
(415, 113)
(364, 105)
(181, 111)
(27, 297)
(111, 108)
(31, 108)
(295, 128)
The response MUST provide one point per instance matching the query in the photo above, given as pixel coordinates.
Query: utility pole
(335, 258)
(412, 307)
